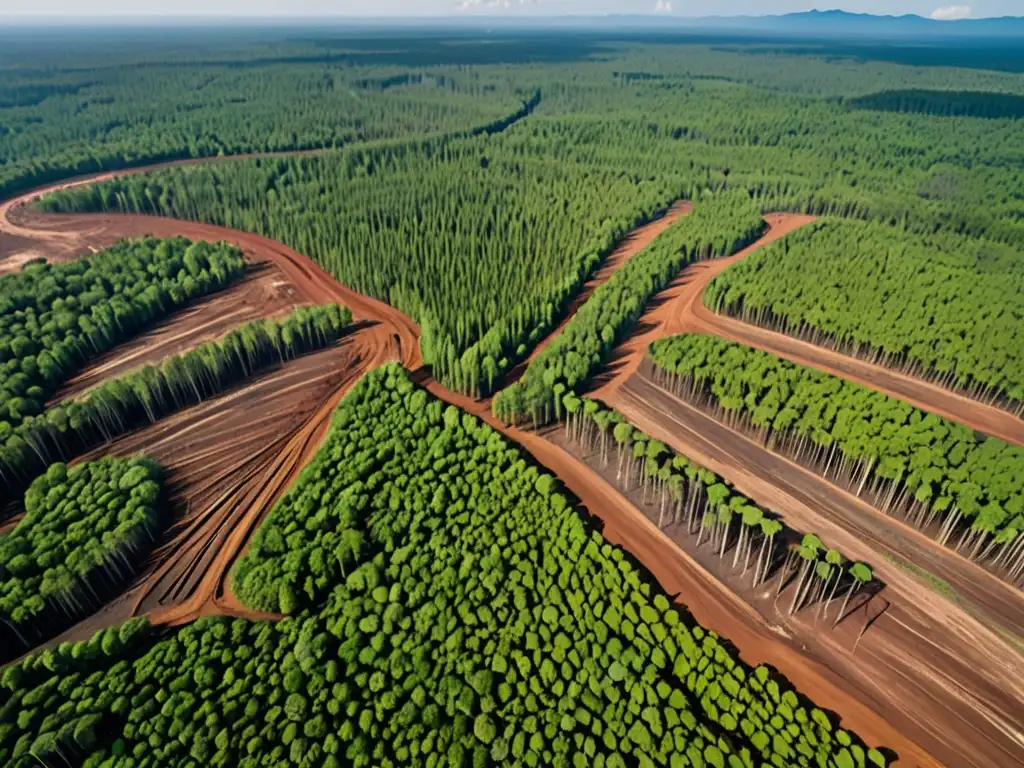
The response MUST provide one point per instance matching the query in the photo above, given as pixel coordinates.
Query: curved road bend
(680, 309)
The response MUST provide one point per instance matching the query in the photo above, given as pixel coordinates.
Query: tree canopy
(904, 460)
(948, 307)
(447, 603)
(85, 531)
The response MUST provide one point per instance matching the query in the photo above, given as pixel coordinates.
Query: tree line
(85, 532)
(944, 307)
(941, 477)
(484, 245)
(55, 318)
(719, 225)
(479, 621)
(696, 501)
(148, 394)
(77, 122)
(944, 103)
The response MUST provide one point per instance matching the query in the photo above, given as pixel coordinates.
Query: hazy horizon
(71, 11)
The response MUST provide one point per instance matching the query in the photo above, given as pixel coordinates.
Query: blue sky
(938, 8)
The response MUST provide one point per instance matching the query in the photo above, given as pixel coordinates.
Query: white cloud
(950, 12)
(473, 5)
(663, 6)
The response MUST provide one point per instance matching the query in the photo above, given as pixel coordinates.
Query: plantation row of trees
(146, 395)
(694, 500)
(475, 621)
(77, 122)
(85, 532)
(939, 476)
(55, 318)
(719, 225)
(944, 307)
(484, 245)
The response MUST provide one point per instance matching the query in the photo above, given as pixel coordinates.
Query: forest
(944, 103)
(85, 532)
(425, 593)
(144, 396)
(479, 621)
(417, 222)
(78, 122)
(719, 225)
(943, 307)
(941, 477)
(695, 500)
(460, 214)
(54, 318)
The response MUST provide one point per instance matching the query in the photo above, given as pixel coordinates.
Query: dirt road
(630, 246)
(680, 309)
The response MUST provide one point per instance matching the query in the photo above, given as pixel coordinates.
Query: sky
(941, 9)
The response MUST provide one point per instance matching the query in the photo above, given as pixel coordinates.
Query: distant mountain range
(817, 24)
(844, 24)
(833, 24)
(811, 24)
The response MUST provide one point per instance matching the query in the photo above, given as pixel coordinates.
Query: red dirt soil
(630, 246)
(263, 292)
(224, 460)
(939, 658)
(392, 335)
(680, 309)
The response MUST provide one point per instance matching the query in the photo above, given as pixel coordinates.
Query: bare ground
(263, 292)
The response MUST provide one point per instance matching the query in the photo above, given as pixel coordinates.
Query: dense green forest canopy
(447, 605)
(54, 318)
(945, 306)
(928, 469)
(85, 531)
(944, 103)
(484, 240)
(55, 125)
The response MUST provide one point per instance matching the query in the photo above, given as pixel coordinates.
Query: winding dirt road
(201, 583)
(680, 309)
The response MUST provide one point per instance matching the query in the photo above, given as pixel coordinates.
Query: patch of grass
(941, 586)
(945, 589)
